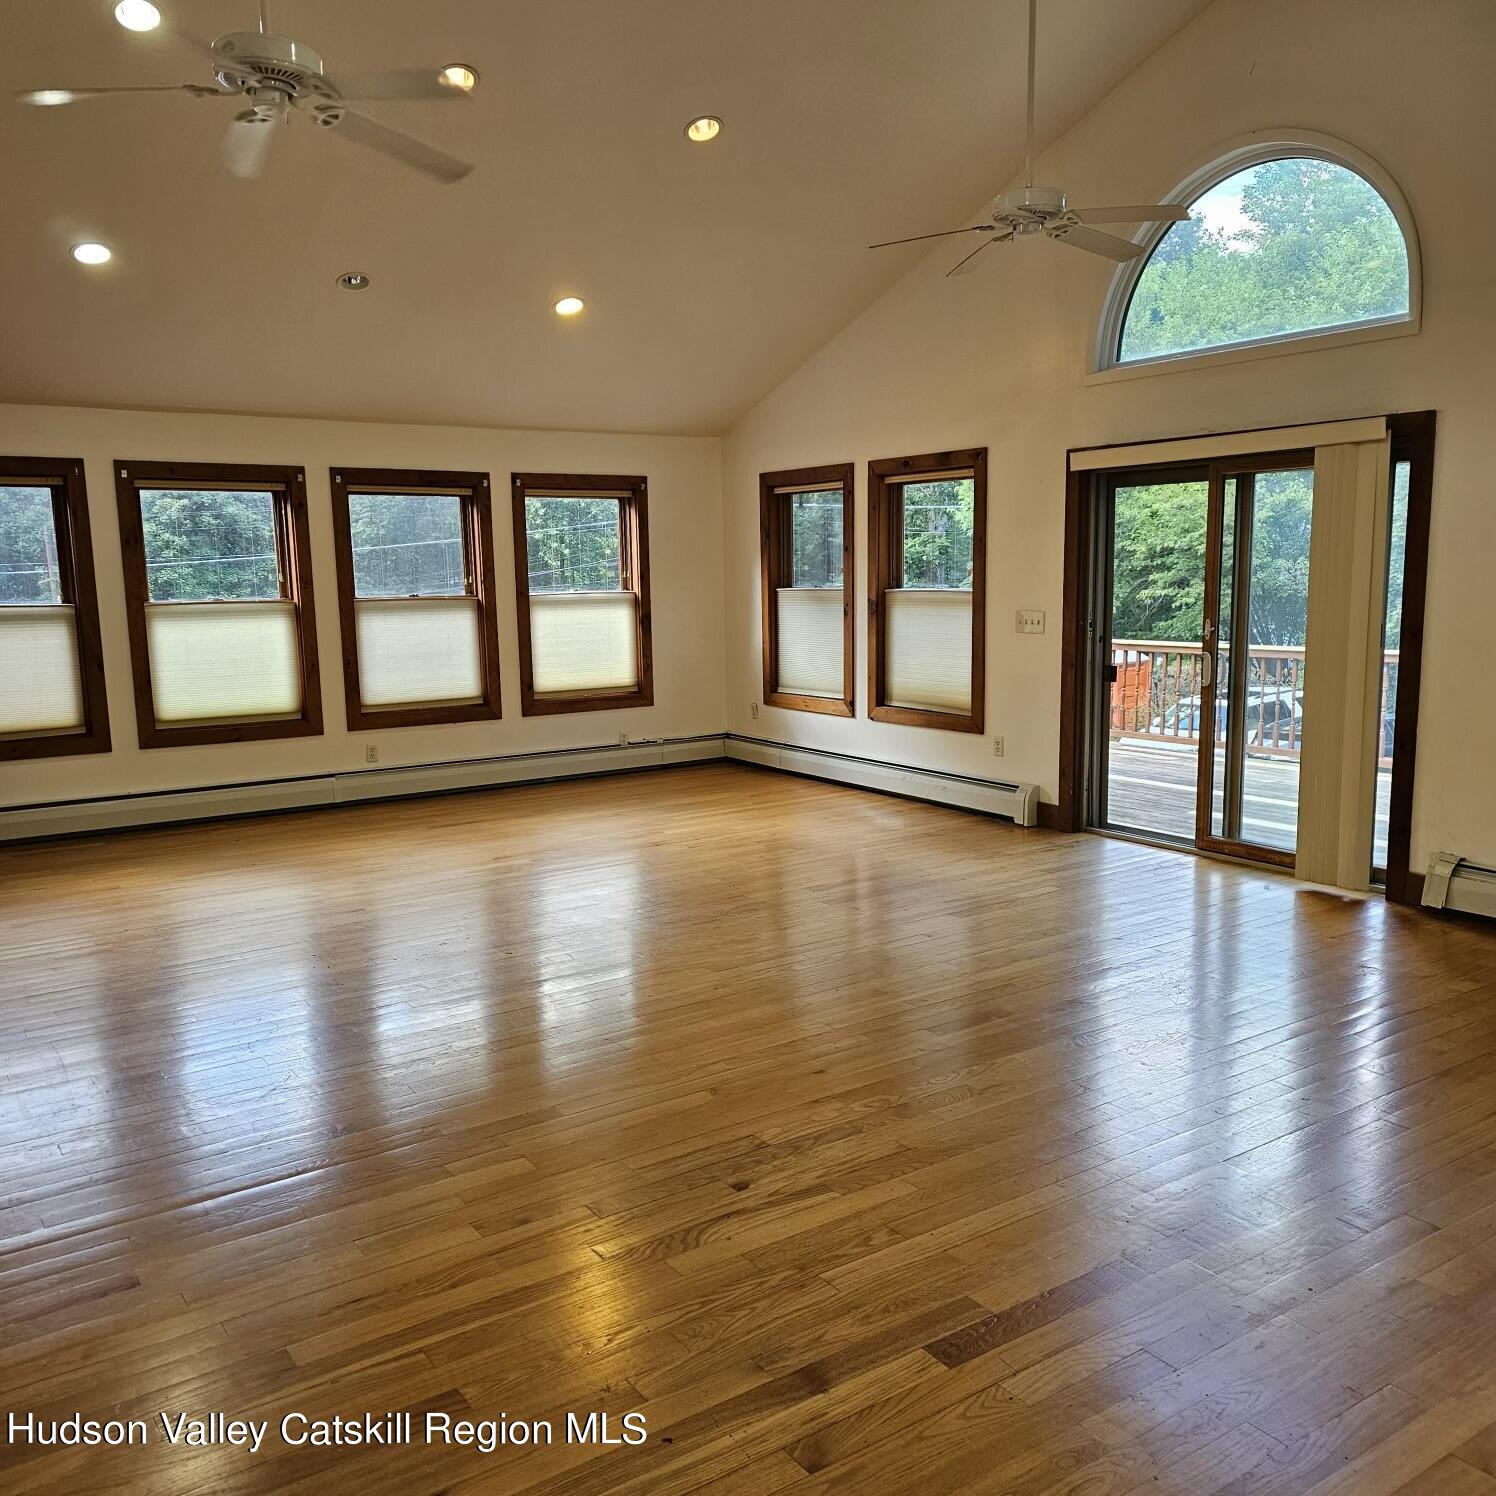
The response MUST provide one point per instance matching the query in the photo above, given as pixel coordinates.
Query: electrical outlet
(1030, 621)
(997, 747)
(371, 753)
(753, 707)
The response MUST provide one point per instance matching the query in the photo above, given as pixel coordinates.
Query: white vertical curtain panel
(418, 651)
(1343, 662)
(927, 644)
(40, 689)
(583, 641)
(809, 630)
(220, 662)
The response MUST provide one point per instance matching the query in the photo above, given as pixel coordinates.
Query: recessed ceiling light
(48, 98)
(705, 127)
(354, 280)
(92, 254)
(137, 15)
(569, 306)
(459, 77)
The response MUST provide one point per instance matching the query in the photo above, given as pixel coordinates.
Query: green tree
(937, 537)
(1319, 246)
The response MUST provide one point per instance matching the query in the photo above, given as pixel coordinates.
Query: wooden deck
(864, 1147)
(1152, 788)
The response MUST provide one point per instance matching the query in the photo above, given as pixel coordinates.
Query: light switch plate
(1030, 620)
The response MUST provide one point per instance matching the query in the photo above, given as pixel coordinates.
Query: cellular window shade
(418, 650)
(927, 642)
(583, 641)
(216, 662)
(40, 688)
(809, 622)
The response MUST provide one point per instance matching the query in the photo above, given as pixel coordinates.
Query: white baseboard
(78, 817)
(1017, 802)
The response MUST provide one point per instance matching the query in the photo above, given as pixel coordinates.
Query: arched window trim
(1254, 150)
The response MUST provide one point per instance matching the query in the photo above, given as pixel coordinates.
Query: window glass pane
(406, 545)
(1289, 246)
(816, 539)
(1397, 551)
(573, 545)
(28, 547)
(937, 520)
(207, 544)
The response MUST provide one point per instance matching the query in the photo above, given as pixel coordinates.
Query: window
(416, 597)
(806, 556)
(218, 590)
(52, 699)
(1277, 247)
(927, 533)
(581, 567)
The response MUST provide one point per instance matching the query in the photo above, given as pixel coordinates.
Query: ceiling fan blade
(402, 83)
(362, 130)
(49, 97)
(971, 262)
(1096, 242)
(1150, 213)
(976, 228)
(247, 143)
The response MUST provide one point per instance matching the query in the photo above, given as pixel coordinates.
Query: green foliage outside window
(573, 545)
(209, 543)
(406, 545)
(937, 520)
(28, 547)
(816, 539)
(1310, 245)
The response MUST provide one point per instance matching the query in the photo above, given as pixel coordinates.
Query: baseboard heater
(1453, 883)
(78, 817)
(1017, 802)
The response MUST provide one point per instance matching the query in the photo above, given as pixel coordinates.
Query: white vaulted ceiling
(710, 272)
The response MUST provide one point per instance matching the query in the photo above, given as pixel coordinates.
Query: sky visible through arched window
(1283, 247)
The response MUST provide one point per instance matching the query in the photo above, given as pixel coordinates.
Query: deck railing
(1157, 688)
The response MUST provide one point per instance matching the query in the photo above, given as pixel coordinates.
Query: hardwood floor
(862, 1146)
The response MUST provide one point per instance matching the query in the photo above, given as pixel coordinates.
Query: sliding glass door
(1200, 613)
(1256, 621)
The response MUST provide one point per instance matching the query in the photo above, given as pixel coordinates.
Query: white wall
(1001, 359)
(685, 542)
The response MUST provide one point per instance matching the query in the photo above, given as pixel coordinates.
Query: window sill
(826, 706)
(1249, 352)
(909, 716)
(374, 719)
(200, 734)
(53, 745)
(584, 701)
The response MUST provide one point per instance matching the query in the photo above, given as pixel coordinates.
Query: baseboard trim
(1015, 802)
(233, 801)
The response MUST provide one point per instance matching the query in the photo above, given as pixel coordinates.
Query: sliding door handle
(1207, 670)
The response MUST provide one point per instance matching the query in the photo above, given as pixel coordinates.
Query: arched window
(1281, 242)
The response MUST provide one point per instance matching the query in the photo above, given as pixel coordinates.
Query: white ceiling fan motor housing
(246, 61)
(1027, 210)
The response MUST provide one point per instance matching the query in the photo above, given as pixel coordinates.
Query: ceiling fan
(1044, 210)
(277, 74)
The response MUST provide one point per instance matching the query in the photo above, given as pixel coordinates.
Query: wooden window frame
(75, 569)
(775, 549)
(294, 562)
(885, 563)
(478, 571)
(633, 521)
